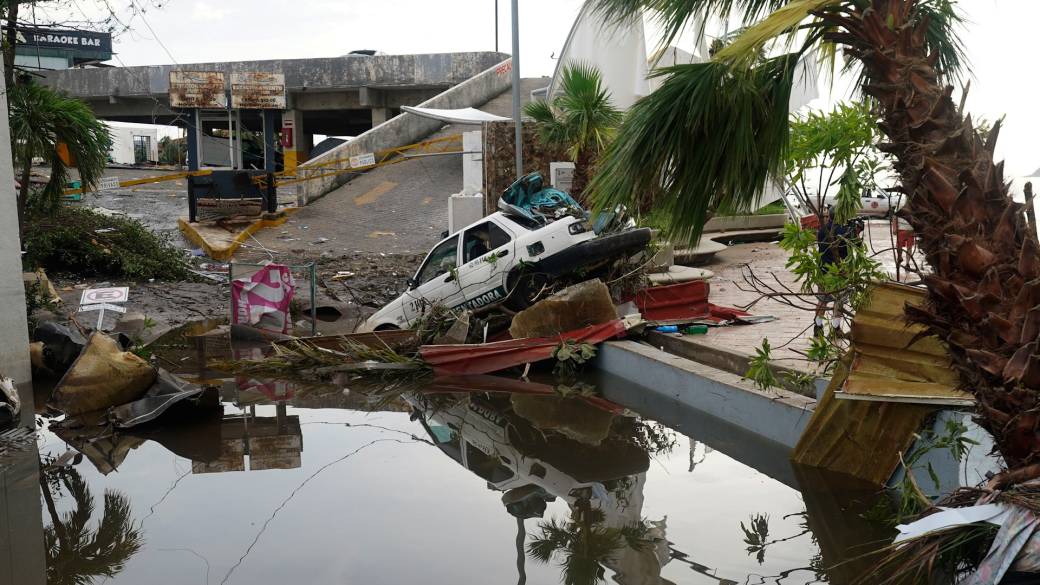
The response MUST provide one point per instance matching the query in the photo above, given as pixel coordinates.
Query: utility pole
(516, 91)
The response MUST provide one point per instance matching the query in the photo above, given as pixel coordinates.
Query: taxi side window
(443, 259)
(481, 239)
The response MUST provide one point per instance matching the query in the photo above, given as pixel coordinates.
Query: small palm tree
(581, 120)
(77, 553)
(43, 124)
(585, 543)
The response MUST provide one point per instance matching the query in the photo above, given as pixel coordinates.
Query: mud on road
(362, 282)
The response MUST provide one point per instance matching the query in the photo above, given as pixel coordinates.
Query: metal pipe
(496, 26)
(516, 91)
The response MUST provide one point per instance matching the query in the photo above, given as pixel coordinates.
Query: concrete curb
(217, 243)
(778, 416)
(701, 350)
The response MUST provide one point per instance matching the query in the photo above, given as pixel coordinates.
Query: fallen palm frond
(953, 552)
(938, 556)
(305, 360)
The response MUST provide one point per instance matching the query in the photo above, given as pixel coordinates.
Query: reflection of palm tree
(76, 552)
(585, 543)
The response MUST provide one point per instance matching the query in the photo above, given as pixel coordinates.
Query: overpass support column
(380, 115)
(294, 142)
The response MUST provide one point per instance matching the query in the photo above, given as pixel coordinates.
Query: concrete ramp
(322, 172)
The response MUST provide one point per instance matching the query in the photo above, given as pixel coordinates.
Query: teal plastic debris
(529, 196)
(668, 329)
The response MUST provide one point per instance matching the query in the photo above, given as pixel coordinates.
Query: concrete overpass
(339, 96)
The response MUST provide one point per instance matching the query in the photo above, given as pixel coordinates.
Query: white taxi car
(502, 258)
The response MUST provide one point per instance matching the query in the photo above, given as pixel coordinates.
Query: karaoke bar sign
(65, 39)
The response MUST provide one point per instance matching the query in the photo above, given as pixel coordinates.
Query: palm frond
(675, 16)
(706, 140)
(41, 119)
(750, 43)
(943, 38)
(540, 111)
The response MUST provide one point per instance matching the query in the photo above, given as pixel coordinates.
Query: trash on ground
(687, 303)
(60, 345)
(262, 299)
(677, 274)
(10, 404)
(46, 287)
(101, 377)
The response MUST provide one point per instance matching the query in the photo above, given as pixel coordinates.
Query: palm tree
(77, 554)
(585, 543)
(714, 132)
(580, 120)
(43, 123)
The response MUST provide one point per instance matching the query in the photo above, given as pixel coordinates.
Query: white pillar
(14, 341)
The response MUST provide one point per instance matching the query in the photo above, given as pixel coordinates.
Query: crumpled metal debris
(168, 391)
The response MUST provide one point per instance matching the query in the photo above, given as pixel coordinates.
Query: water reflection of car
(507, 452)
(506, 257)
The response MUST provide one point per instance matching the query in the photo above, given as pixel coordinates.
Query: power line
(154, 35)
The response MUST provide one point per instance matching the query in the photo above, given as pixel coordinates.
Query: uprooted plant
(83, 242)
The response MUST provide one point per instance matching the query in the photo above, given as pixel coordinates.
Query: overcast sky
(1001, 38)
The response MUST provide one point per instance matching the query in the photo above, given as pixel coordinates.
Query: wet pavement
(361, 482)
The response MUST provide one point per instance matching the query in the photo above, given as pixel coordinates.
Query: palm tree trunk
(984, 292)
(52, 509)
(582, 169)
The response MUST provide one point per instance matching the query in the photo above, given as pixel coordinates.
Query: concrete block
(561, 175)
(464, 210)
(472, 162)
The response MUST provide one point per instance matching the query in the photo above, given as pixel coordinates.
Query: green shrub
(85, 243)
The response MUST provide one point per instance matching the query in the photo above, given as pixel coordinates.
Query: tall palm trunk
(984, 292)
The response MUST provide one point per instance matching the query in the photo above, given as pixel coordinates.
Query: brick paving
(791, 332)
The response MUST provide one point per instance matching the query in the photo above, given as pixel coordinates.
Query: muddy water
(350, 484)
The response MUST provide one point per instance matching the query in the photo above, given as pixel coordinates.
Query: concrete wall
(14, 340)
(399, 131)
(778, 416)
(381, 71)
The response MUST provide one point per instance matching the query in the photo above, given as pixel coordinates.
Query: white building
(133, 143)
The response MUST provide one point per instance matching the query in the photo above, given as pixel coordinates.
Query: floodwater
(440, 484)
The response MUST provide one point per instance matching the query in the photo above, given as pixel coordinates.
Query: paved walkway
(791, 333)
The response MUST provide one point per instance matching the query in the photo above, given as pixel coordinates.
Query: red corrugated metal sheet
(674, 301)
(485, 358)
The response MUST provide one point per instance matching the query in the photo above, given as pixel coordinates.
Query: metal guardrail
(443, 145)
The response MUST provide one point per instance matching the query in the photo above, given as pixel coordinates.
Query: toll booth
(241, 182)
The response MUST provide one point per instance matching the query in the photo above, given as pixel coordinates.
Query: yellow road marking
(375, 193)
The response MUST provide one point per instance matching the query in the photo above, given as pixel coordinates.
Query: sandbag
(102, 376)
(577, 306)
